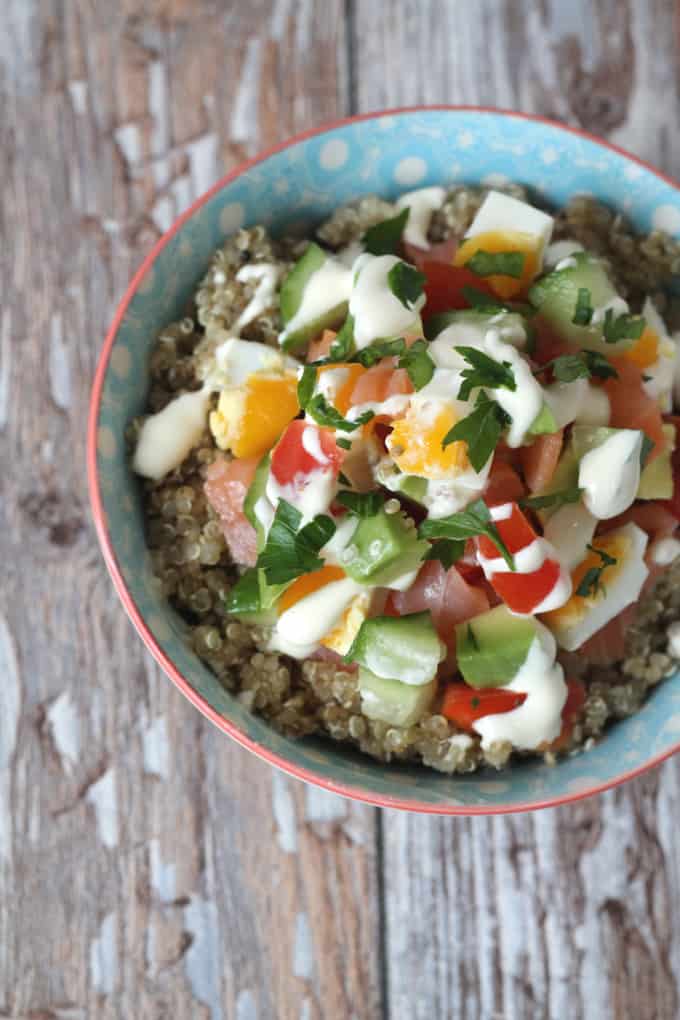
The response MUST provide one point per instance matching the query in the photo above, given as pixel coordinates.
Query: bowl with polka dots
(296, 185)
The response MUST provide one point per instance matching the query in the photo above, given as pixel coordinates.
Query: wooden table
(150, 868)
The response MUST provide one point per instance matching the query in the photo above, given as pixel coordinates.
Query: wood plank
(566, 912)
(148, 867)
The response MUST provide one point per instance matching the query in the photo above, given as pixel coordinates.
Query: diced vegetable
(291, 457)
(226, 487)
(245, 600)
(394, 702)
(383, 548)
(405, 647)
(255, 492)
(492, 647)
(292, 295)
(463, 705)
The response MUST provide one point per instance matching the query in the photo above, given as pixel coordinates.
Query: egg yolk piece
(645, 350)
(307, 584)
(498, 242)
(415, 445)
(250, 419)
(344, 379)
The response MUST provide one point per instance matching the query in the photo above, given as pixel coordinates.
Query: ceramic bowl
(300, 183)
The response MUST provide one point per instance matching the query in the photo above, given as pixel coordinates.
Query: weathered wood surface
(148, 868)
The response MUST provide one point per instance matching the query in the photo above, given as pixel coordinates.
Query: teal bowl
(300, 183)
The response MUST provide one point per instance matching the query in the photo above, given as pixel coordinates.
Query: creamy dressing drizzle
(311, 443)
(166, 437)
(610, 474)
(326, 288)
(317, 614)
(525, 402)
(311, 493)
(664, 551)
(421, 205)
(617, 305)
(559, 250)
(569, 530)
(539, 719)
(377, 312)
(263, 298)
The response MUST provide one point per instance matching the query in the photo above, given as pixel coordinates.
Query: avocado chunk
(555, 296)
(492, 647)
(393, 702)
(656, 480)
(404, 648)
(385, 546)
(246, 599)
(544, 423)
(255, 492)
(291, 297)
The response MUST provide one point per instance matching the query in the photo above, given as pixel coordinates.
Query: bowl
(297, 184)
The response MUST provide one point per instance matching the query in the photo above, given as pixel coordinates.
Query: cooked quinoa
(189, 552)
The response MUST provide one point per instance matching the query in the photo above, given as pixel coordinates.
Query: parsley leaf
(306, 384)
(290, 550)
(645, 449)
(381, 349)
(341, 347)
(622, 327)
(418, 364)
(502, 263)
(484, 372)
(385, 237)
(474, 520)
(324, 413)
(447, 550)
(362, 504)
(344, 443)
(591, 582)
(406, 283)
(483, 302)
(583, 312)
(551, 499)
(568, 367)
(481, 430)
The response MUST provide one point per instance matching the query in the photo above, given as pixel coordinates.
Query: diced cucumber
(291, 296)
(404, 648)
(393, 702)
(384, 547)
(585, 438)
(491, 647)
(544, 423)
(255, 492)
(656, 480)
(245, 600)
(555, 297)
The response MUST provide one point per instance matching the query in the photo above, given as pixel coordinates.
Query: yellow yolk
(645, 350)
(341, 637)
(308, 584)
(497, 241)
(572, 612)
(415, 444)
(349, 376)
(250, 418)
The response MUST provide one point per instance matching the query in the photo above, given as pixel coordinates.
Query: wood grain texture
(566, 913)
(149, 868)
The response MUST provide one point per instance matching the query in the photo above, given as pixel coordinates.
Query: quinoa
(190, 556)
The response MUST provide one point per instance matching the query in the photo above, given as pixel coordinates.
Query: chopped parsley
(483, 302)
(447, 550)
(342, 346)
(481, 430)
(318, 408)
(551, 499)
(568, 367)
(345, 444)
(291, 550)
(591, 582)
(414, 359)
(306, 384)
(502, 263)
(406, 283)
(385, 237)
(583, 312)
(484, 371)
(474, 520)
(622, 327)
(361, 504)
(381, 349)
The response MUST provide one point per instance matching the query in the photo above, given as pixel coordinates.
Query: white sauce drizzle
(559, 250)
(610, 474)
(664, 551)
(568, 263)
(326, 288)
(314, 616)
(376, 310)
(311, 443)
(502, 512)
(311, 493)
(393, 407)
(539, 719)
(263, 298)
(166, 437)
(617, 305)
(569, 530)
(421, 205)
(525, 402)
(236, 360)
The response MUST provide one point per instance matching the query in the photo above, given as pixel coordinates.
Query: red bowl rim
(101, 525)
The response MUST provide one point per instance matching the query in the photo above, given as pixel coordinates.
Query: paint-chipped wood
(567, 913)
(148, 867)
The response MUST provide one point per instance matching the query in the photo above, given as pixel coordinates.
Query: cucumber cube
(393, 702)
(291, 296)
(404, 648)
(385, 546)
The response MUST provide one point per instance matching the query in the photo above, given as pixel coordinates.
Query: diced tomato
(521, 592)
(504, 484)
(444, 287)
(321, 347)
(540, 460)
(446, 594)
(632, 407)
(380, 382)
(573, 706)
(549, 344)
(226, 486)
(463, 705)
(442, 252)
(290, 458)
